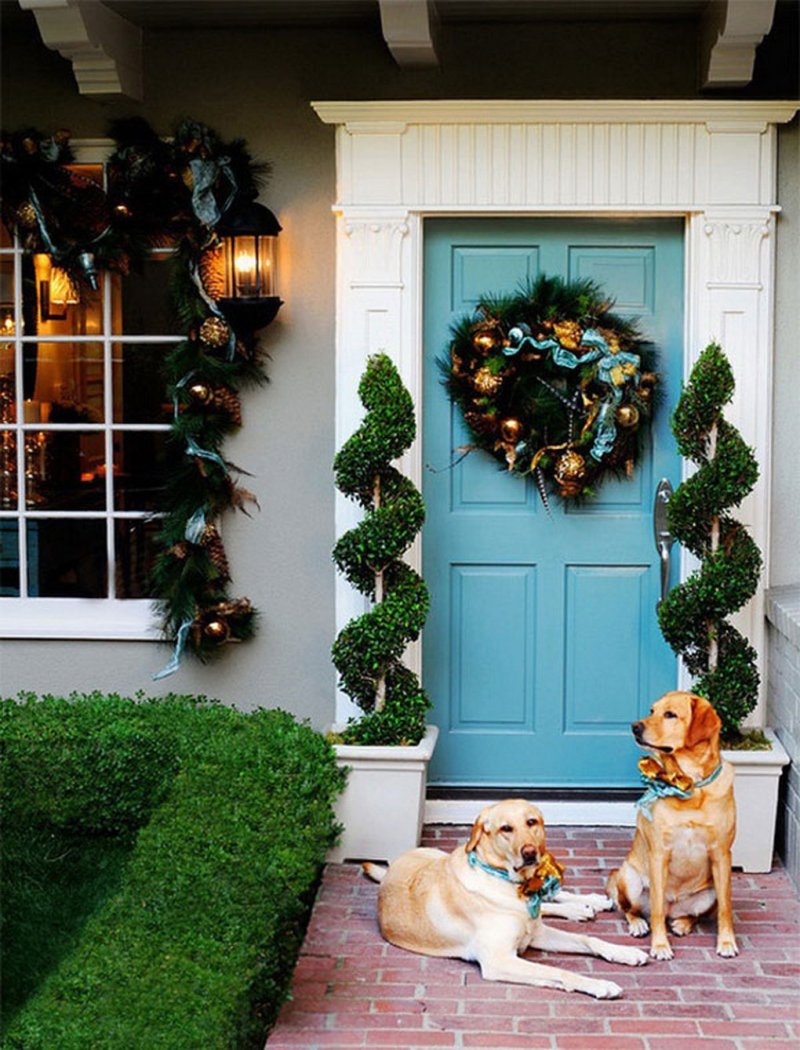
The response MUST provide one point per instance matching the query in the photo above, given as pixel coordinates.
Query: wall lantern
(249, 231)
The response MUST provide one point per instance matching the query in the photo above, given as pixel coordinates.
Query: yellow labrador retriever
(679, 866)
(476, 904)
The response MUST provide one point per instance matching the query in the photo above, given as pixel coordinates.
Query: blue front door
(542, 644)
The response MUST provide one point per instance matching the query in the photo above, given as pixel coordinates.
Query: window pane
(67, 558)
(142, 301)
(65, 470)
(140, 385)
(8, 470)
(141, 462)
(64, 381)
(5, 237)
(7, 321)
(8, 395)
(9, 559)
(135, 554)
(53, 304)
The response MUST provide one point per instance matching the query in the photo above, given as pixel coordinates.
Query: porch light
(249, 231)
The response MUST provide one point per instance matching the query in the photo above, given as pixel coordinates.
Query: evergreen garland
(552, 383)
(367, 651)
(161, 194)
(693, 617)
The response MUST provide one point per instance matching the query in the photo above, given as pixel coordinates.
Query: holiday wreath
(161, 194)
(553, 384)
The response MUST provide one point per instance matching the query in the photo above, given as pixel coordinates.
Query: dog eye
(507, 828)
(532, 822)
(670, 714)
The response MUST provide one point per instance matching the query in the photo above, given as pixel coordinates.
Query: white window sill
(84, 618)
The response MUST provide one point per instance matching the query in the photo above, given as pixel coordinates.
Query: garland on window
(553, 384)
(161, 194)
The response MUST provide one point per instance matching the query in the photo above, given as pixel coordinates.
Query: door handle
(661, 534)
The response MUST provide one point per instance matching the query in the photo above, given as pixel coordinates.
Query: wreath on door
(553, 384)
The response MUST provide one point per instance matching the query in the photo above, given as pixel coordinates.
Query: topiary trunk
(367, 651)
(693, 617)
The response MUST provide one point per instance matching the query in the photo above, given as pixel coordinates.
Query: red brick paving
(352, 989)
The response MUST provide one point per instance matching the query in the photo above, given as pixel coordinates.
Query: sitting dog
(483, 903)
(679, 865)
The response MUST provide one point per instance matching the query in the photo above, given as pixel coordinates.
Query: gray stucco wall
(257, 84)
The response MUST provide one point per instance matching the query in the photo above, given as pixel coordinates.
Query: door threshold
(598, 807)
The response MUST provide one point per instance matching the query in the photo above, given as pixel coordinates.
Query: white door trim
(713, 162)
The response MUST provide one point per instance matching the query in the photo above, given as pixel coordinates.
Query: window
(84, 422)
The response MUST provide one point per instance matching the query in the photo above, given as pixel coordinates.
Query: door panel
(542, 643)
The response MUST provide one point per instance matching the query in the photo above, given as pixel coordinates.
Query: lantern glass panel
(249, 267)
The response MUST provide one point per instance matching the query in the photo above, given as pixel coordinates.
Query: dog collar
(657, 787)
(533, 899)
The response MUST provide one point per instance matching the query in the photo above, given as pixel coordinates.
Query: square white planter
(756, 792)
(382, 804)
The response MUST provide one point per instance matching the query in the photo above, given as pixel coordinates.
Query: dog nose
(637, 728)
(530, 854)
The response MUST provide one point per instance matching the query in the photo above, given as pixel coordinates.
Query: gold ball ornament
(511, 430)
(570, 472)
(217, 631)
(215, 332)
(569, 334)
(486, 382)
(483, 341)
(628, 416)
(26, 216)
(201, 393)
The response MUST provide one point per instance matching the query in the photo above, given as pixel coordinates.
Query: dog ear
(705, 724)
(478, 828)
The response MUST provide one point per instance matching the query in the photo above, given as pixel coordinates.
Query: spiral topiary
(693, 617)
(367, 651)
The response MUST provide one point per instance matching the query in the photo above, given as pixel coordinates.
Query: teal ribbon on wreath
(657, 789)
(193, 449)
(551, 886)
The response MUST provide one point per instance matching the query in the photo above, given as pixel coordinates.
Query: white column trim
(713, 162)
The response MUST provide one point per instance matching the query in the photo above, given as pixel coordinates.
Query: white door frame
(713, 162)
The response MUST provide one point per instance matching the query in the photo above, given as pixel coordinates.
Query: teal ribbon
(193, 449)
(195, 526)
(175, 660)
(657, 789)
(550, 887)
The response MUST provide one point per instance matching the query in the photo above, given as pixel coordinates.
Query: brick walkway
(351, 989)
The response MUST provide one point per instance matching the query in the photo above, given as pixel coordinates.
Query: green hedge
(196, 946)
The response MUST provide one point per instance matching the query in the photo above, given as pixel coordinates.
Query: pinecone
(228, 401)
(212, 272)
(212, 542)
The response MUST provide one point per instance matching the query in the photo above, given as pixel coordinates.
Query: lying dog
(679, 865)
(467, 904)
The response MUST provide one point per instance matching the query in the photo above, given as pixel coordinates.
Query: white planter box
(756, 792)
(382, 804)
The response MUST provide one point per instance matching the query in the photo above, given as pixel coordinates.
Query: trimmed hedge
(196, 946)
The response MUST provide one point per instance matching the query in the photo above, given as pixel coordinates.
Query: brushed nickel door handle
(661, 534)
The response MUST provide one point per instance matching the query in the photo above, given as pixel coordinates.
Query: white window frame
(85, 618)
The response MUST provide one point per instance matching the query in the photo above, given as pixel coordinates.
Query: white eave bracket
(408, 28)
(105, 49)
(732, 30)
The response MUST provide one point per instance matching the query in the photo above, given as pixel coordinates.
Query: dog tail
(374, 871)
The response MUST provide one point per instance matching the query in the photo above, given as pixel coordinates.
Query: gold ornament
(202, 393)
(215, 332)
(569, 334)
(212, 271)
(628, 416)
(486, 382)
(217, 630)
(483, 340)
(569, 472)
(511, 430)
(26, 216)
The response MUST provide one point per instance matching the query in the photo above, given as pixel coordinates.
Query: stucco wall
(258, 84)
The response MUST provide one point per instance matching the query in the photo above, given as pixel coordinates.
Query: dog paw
(681, 925)
(598, 901)
(579, 912)
(630, 956)
(605, 990)
(661, 951)
(638, 927)
(727, 947)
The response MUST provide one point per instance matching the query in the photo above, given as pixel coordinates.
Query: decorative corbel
(732, 30)
(408, 28)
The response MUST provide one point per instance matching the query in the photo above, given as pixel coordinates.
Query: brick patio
(351, 989)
